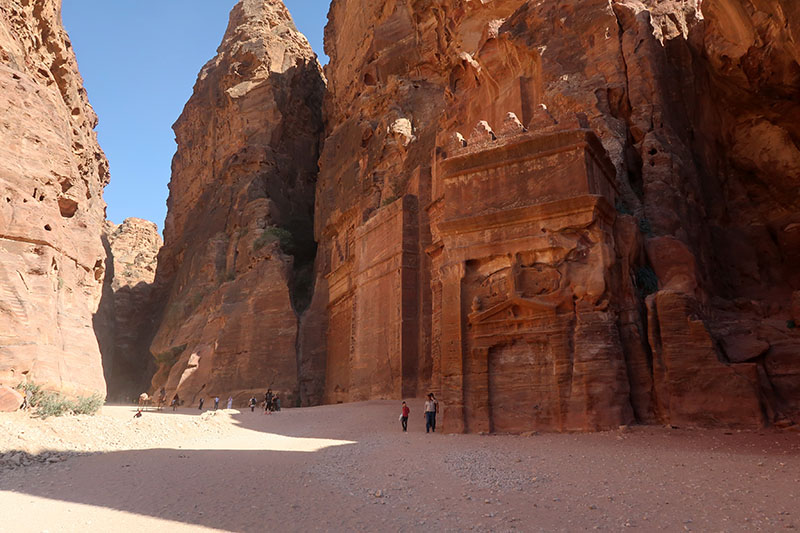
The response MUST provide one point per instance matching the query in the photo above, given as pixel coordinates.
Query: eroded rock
(10, 400)
(694, 107)
(52, 175)
(238, 236)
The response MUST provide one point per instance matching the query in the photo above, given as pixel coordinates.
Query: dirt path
(348, 467)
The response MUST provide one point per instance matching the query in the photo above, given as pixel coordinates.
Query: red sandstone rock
(134, 245)
(125, 316)
(697, 112)
(692, 386)
(52, 175)
(674, 264)
(238, 236)
(10, 400)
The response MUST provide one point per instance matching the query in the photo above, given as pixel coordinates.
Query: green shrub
(170, 357)
(33, 392)
(272, 234)
(50, 403)
(646, 281)
(88, 405)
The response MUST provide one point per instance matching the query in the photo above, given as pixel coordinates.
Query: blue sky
(139, 60)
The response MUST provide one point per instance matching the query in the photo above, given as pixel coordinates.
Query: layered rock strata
(239, 245)
(52, 175)
(125, 320)
(561, 215)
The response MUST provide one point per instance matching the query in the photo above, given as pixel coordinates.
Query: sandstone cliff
(464, 247)
(52, 175)
(124, 322)
(238, 239)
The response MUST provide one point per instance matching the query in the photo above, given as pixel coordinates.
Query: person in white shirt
(431, 406)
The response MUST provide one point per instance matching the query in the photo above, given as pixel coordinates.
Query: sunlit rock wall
(235, 267)
(52, 174)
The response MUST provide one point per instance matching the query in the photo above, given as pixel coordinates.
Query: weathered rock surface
(134, 245)
(453, 257)
(125, 322)
(238, 236)
(10, 400)
(52, 175)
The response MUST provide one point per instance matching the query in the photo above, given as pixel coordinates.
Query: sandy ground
(349, 468)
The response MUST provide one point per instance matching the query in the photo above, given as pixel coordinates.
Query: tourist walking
(175, 402)
(430, 414)
(230, 402)
(404, 411)
(216, 402)
(253, 403)
(200, 405)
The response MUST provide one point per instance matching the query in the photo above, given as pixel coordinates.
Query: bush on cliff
(284, 237)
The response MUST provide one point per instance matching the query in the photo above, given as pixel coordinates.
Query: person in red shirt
(404, 416)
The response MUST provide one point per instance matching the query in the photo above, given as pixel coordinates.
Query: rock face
(126, 310)
(238, 237)
(561, 215)
(10, 400)
(52, 175)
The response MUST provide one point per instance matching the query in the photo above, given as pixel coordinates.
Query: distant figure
(143, 399)
(404, 411)
(430, 414)
(200, 406)
(230, 402)
(176, 401)
(269, 397)
(138, 414)
(253, 403)
(276, 403)
(162, 398)
(24, 405)
(216, 402)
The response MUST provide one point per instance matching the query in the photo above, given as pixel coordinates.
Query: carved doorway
(523, 387)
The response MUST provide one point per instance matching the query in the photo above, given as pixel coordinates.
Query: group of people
(431, 408)
(271, 403)
(216, 403)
